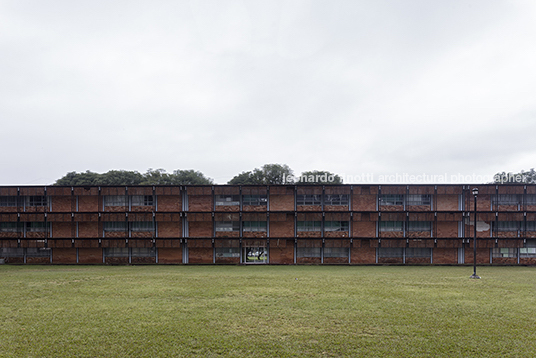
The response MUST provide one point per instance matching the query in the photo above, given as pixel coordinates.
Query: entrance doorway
(254, 255)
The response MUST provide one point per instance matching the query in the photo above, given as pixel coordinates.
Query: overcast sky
(352, 87)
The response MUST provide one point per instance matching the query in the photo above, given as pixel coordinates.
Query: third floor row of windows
(357, 202)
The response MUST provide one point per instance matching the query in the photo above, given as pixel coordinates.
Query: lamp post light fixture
(474, 275)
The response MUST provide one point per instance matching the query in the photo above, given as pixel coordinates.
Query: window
(531, 225)
(509, 199)
(143, 252)
(419, 199)
(115, 226)
(115, 200)
(37, 226)
(222, 226)
(504, 252)
(227, 200)
(391, 226)
(527, 252)
(336, 199)
(227, 252)
(142, 200)
(391, 252)
(503, 226)
(309, 225)
(251, 226)
(392, 199)
(308, 252)
(36, 200)
(335, 252)
(254, 200)
(10, 227)
(116, 252)
(308, 199)
(530, 199)
(336, 226)
(418, 252)
(38, 252)
(11, 252)
(419, 225)
(8, 201)
(142, 226)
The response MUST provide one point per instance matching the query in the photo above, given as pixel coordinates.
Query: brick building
(275, 224)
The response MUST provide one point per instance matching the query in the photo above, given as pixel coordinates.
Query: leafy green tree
(120, 177)
(190, 177)
(318, 177)
(125, 177)
(74, 178)
(267, 174)
(526, 177)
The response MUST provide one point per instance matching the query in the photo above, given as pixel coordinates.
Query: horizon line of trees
(267, 174)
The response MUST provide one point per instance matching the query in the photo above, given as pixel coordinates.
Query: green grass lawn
(280, 311)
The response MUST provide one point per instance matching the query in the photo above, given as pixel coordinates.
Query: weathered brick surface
(417, 260)
(445, 255)
(336, 234)
(255, 234)
(281, 202)
(364, 202)
(200, 255)
(482, 256)
(254, 208)
(447, 229)
(171, 203)
(281, 251)
(335, 260)
(90, 256)
(504, 260)
(200, 229)
(63, 229)
(38, 260)
(230, 234)
(362, 255)
(89, 230)
(364, 229)
(62, 203)
(89, 203)
(282, 228)
(170, 255)
(171, 229)
(308, 260)
(200, 203)
(64, 256)
(447, 202)
(309, 234)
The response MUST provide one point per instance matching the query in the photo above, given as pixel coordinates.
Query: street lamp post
(474, 275)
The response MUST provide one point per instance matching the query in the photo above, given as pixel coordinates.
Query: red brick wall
(169, 229)
(445, 255)
(281, 251)
(364, 202)
(89, 229)
(90, 256)
(170, 255)
(64, 256)
(447, 229)
(363, 254)
(281, 202)
(88, 203)
(447, 203)
(282, 228)
(169, 203)
(482, 256)
(63, 229)
(199, 203)
(364, 229)
(200, 255)
(200, 229)
(62, 203)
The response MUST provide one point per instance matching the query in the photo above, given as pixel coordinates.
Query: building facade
(274, 224)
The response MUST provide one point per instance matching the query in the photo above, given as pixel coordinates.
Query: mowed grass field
(276, 311)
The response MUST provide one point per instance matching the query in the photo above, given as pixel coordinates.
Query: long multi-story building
(274, 224)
